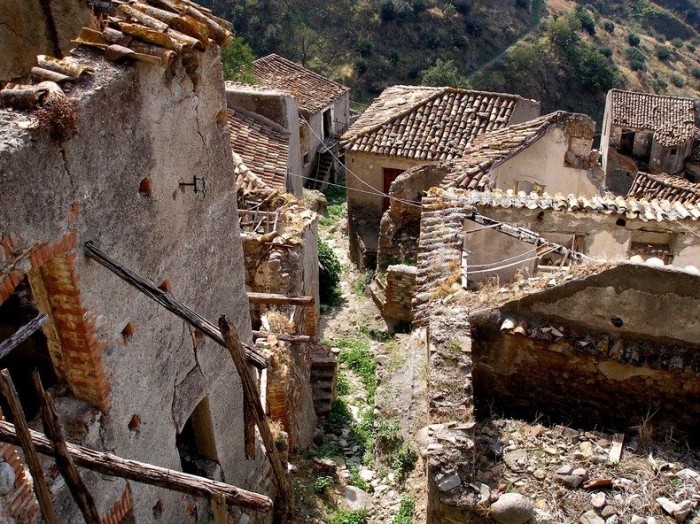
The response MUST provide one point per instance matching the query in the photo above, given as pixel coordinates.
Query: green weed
(405, 513)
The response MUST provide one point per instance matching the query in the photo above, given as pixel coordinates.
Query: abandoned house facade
(127, 146)
(324, 108)
(649, 133)
(407, 126)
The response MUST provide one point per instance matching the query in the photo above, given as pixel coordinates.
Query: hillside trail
(400, 397)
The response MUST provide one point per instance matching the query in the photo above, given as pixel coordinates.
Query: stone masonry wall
(398, 293)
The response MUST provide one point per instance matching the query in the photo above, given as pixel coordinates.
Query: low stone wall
(450, 450)
(398, 294)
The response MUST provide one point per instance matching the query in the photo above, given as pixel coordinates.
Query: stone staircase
(324, 366)
(324, 170)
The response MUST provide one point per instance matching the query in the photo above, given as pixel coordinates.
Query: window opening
(196, 443)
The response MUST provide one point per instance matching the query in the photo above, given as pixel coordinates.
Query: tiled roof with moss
(671, 118)
(313, 92)
(428, 123)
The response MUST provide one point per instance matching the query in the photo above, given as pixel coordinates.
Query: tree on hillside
(444, 73)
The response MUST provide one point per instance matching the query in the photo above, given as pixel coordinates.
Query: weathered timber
(79, 490)
(22, 334)
(115, 466)
(167, 301)
(525, 235)
(9, 395)
(249, 432)
(278, 299)
(284, 337)
(251, 398)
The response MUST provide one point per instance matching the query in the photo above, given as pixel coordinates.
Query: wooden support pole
(9, 394)
(275, 298)
(22, 334)
(251, 397)
(301, 339)
(168, 302)
(76, 485)
(108, 464)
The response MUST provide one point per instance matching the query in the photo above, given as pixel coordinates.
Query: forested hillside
(565, 53)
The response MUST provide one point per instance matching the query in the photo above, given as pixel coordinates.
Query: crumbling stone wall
(398, 293)
(137, 122)
(587, 351)
(450, 450)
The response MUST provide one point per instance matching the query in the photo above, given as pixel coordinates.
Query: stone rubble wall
(398, 293)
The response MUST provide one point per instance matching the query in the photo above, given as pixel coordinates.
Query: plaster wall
(543, 163)
(369, 168)
(282, 109)
(138, 121)
(663, 161)
(525, 111)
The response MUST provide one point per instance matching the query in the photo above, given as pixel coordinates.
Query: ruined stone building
(649, 133)
(324, 107)
(407, 126)
(125, 144)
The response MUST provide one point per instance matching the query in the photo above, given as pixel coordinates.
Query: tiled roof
(154, 31)
(428, 123)
(262, 144)
(665, 187)
(643, 209)
(491, 149)
(672, 119)
(312, 91)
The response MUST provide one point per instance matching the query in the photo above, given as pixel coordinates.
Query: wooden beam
(525, 235)
(108, 464)
(275, 298)
(76, 485)
(168, 302)
(22, 334)
(251, 398)
(9, 395)
(301, 339)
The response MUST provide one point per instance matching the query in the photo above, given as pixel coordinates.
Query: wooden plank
(22, 334)
(9, 395)
(108, 464)
(279, 299)
(298, 339)
(168, 302)
(251, 397)
(616, 448)
(79, 490)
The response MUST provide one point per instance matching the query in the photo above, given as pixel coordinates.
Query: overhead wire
(505, 266)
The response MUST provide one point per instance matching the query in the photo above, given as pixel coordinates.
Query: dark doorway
(196, 443)
(627, 143)
(390, 174)
(327, 124)
(33, 353)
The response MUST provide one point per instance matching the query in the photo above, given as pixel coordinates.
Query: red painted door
(390, 174)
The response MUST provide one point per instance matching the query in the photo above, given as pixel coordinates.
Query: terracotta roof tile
(665, 187)
(489, 150)
(428, 123)
(672, 119)
(312, 91)
(642, 209)
(262, 145)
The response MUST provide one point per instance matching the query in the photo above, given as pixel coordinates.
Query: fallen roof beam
(22, 334)
(300, 339)
(525, 235)
(115, 466)
(278, 299)
(168, 302)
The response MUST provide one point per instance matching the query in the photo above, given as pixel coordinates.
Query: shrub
(406, 509)
(677, 43)
(595, 70)
(635, 54)
(606, 52)
(328, 274)
(659, 85)
(695, 72)
(677, 80)
(350, 517)
(322, 483)
(444, 73)
(609, 26)
(637, 65)
(364, 46)
(404, 459)
(663, 52)
(237, 61)
(633, 39)
(691, 48)
(338, 417)
(419, 6)
(587, 22)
